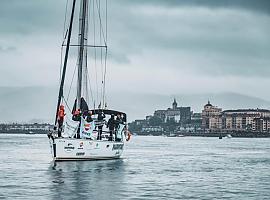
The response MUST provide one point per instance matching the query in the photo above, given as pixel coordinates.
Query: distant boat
(220, 136)
(175, 135)
(31, 132)
(172, 135)
(87, 134)
(180, 135)
(228, 136)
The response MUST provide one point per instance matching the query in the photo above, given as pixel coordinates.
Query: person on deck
(100, 119)
(111, 126)
(118, 121)
(61, 115)
(76, 116)
(87, 115)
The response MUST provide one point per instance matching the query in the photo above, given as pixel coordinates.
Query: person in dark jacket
(76, 115)
(111, 126)
(87, 115)
(100, 119)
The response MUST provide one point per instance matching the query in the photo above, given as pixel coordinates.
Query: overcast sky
(155, 46)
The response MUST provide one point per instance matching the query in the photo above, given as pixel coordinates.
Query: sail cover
(84, 106)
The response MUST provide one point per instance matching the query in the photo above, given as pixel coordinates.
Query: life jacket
(128, 136)
(61, 112)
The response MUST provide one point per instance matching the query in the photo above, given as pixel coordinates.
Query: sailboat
(82, 133)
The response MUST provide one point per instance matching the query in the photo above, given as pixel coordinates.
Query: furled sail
(84, 106)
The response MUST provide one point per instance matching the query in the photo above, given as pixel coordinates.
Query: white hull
(64, 149)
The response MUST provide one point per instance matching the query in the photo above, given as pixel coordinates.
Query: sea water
(151, 168)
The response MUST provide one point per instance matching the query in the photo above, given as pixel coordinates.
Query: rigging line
(86, 78)
(64, 37)
(60, 94)
(104, 78)
(65, 20)
(88, 83)
(67, 105)
(61, 63)
(102, 73)
(101, 55)
(100, 21)
(91, 91)
(65, 33)
(86, 53)
(106, 53)
(106, 21)
(71, 82)
(95, 53)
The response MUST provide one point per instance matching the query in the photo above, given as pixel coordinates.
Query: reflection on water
(83, 179)
(152, 168)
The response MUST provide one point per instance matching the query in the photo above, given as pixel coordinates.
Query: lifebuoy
(128, 136)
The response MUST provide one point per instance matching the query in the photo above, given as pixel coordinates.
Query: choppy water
(152, 168)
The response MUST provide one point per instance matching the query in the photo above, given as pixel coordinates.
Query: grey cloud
(26, 17)
(4, 49)
(222, 42)
(253, 5)
(230, 41)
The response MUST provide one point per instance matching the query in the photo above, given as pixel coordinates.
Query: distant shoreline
(209, 134)
(178, 134)
(33, 132)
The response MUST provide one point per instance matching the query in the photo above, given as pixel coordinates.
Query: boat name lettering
(69, 147)
(80, 154)
(117, 146)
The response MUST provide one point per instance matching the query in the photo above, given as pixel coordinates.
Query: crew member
(100, 119)
(61, 115)
(87, 115)
(76, 115)
(111, 126)
(118, 121)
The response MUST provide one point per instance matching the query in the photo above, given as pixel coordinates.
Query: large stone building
(214, 119)
(211, 117)
(261, 124)
(176, 114)
(246, 119)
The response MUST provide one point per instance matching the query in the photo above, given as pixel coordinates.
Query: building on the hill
(211, 117)
(196, 121)
(181, 115)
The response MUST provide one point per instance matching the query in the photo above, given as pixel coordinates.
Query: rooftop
(247, 110)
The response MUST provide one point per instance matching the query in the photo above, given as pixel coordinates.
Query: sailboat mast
(60, 95)
(82, 33)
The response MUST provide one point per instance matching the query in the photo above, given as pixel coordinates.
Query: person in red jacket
(61, 115)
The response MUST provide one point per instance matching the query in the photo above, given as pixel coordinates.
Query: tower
(174, 105)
